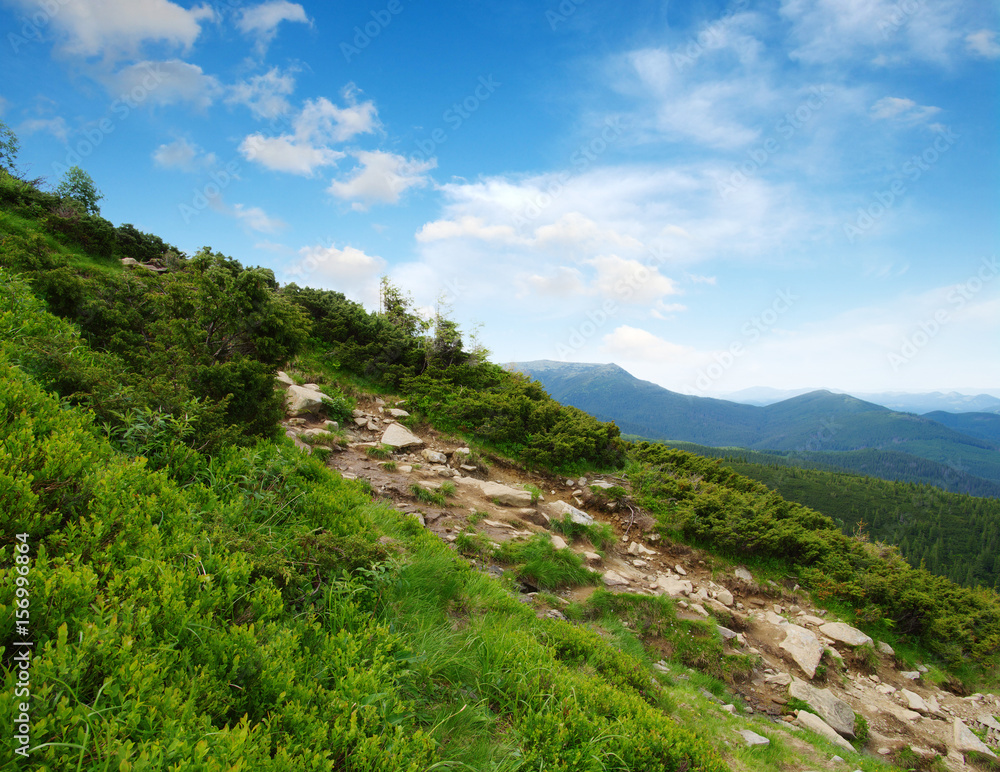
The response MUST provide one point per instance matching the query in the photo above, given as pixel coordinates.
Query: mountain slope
(817, 421)
(983, 425)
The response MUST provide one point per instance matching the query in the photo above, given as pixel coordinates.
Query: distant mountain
(983, 425)
(808, 423)
(936, 401)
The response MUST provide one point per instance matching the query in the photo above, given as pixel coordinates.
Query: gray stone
(614, 579)
(299, 400)
(501, 494)
(910, 675)
(778, 679)
(803, 647)
(724, 596)
(746, 576)
(965, 740)
(726, 633)
(592, 557)
(602, 485)
(819, 726)
(283, 379)
(914, 701)
(844, 633)
(885, 648)
(396, 412)
(398, 436)
(433, 456)
(558, 542)
(697, 608)
(809, 619)
(578, 516)
(834, 711)
(752, 738)
(680, 570)
(672, 586)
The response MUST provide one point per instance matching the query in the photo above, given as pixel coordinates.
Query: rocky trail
(804, 654)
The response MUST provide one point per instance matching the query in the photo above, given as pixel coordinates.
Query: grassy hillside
(199, 594)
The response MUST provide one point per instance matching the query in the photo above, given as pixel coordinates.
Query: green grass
(599, 534)
(379, 452)
(536, 561)
(428, 496)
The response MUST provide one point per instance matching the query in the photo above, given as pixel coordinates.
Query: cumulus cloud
(184, 155)
(381, 177)
(348, 270)
(265, 95)
(116, 28)
(55, 126)
(256, 219)
(468, 226)
(630, 281)
(166, 83)
(635, 344)
(319, 124)
(261, 21)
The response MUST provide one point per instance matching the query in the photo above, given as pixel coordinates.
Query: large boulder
(560, 509)
(803, 647)
(672, 586)
(844, 633)
(398, 436)
(834, 711)
(820, 727)
(965, 741)
(501, 494)
(300, 401)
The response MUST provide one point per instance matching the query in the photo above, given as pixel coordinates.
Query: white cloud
(983, 43)
(319, 124)
(564, 282)
(381, 177)
(467, 227)
(262, 21)
(348, 270)
(116, 28)
(902, 110)
(184, 155)
(55, 126)
(633, 344)
(287, 154)
(265, 94)
(892, 33)
(257, 219)
(165, 83)
(577, 231)
(630, 281)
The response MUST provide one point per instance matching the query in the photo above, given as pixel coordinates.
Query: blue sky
(714, 196)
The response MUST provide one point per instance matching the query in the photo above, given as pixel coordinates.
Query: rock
(809, 619)
(578, 516)
(592, 557)
(965, 740)
(773, 619)
(672, 586)
(752, 739)
(635, 549)
(914, 701)
(283, 379)
(680, 570)
(395, 412)
(803, 647)
(501, 494)
(778, 679)
(726, 633)
(910, 675)
(533, 516)
(834, 711)
(640, 563)
(742, 573)
(602, 485)
(885, 648)
(582, 482)
(697, 608)
(299, 400)
(885, 689)
(730, 709)
(558, 542)
(433, 456)
(130, 261)
(361, 421)
(614, 579)
(418, 517)
(724, 596)
(845, 634)
(819, 726)
(398, 436)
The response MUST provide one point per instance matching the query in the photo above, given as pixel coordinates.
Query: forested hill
(819, 421)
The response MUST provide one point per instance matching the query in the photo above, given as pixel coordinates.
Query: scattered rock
(592, 557)
(966, 741)
(742, 573)
(560, 509)
(434, 457)
(283, 379)
(844, 633)
(819, 726)
(614, 579)
(726, 633)
(910, 675)
(558, 541)
(501, 494)
(809, 619)
(778, 679)
(804, 648)
(398, 436)
(753, 739)
(680, 570)
(396, 412)
(914, 701)
(299, 400)
(672, 586)
(885, 648)
(834, 711)
(724, 596)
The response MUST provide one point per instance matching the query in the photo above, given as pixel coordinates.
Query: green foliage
(428, 496)
(77, 185)
(379, 451)
(9, 147)
(540, 564)
(861, 731)
(535, 491)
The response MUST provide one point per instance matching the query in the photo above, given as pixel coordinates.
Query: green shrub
(537, 562)
(599, 534)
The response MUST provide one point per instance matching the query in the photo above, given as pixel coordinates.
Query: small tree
(79, 186)
(9, 147)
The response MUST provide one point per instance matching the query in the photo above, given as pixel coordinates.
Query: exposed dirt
(757, 613)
